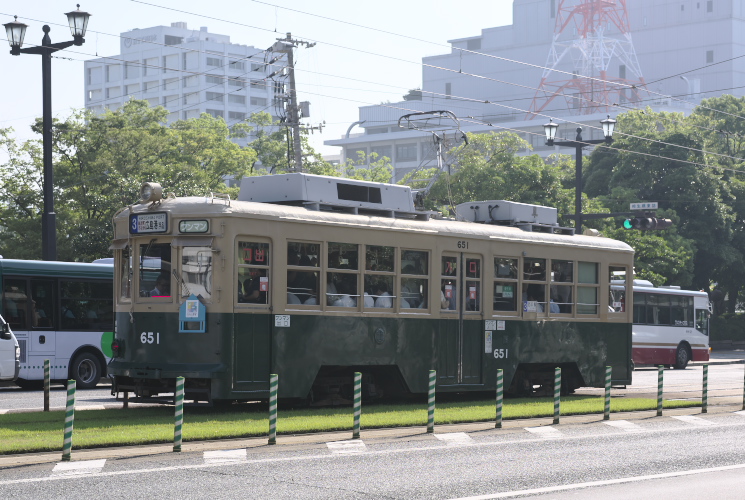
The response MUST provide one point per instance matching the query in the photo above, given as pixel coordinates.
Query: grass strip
(43, 431)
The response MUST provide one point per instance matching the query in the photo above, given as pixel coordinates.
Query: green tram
(314, 278)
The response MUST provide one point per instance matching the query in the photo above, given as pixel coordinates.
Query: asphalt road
(677, 456)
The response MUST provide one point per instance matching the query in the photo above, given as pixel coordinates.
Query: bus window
(303, 273)
(253, 272)
(196, 271)
(587, 294)
(85, 305)
(414, 279)
(640, 308)
(155, 270)
(681, 310)
(379, 277)
(15, 303)
(505, 284)
(42, 303)
(702, 321)
(562, 271)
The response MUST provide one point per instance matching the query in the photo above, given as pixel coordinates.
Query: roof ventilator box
(510, 213)
(320, 192)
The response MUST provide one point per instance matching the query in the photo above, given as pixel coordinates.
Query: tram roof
(194, 206)
(56, 268)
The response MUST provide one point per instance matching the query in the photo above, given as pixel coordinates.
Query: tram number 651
(462, 244)
(501, 353)
(150, 338)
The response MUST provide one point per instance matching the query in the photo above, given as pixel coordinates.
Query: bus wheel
(682, 356)
(86, 370)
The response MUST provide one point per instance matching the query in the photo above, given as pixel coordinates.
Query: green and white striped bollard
(273, 385)
(357, 404)
(431, 402)
(557, 395)
(500, 397)
(606, 413)
(179, 415)
(47, 382)
(705, 391)
(69, 421)
(660, 371)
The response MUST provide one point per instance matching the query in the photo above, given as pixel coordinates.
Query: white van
(10, 353)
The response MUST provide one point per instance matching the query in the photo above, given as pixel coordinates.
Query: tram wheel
(86, 371)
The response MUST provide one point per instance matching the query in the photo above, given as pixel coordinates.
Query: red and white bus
(671, 326)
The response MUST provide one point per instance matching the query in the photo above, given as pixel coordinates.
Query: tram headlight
(150, 192)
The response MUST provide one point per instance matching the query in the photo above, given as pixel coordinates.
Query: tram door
(252, 318)
(460, 336)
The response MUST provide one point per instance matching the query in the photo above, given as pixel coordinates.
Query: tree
(99, 165)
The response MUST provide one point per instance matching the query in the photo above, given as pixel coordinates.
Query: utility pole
(286, 46)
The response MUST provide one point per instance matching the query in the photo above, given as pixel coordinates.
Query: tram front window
(155, 270)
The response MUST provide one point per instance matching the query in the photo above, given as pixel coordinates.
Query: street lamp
(78, 21)
(550, 129)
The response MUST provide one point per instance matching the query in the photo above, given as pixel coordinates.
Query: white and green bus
(60, 311)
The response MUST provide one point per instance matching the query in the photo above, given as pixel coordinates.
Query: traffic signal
(647, 223)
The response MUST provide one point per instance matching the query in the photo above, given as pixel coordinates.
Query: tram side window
(155, 270)
(681, 310)
(448, 283)
(379, 274)
(414, 279)
(505, 284)
(587, 289)
(534, 294)
(473, 284)
(617, 294)
(341, 285)
(562, 277)
(15, 303)
(86, 305)
(253, 269)
(303, 273)
(125, 274)
(196, 271)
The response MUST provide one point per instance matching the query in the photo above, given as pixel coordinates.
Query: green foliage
(99, 165)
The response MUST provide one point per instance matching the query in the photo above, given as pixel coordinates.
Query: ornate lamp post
(16, 31)
(550, 128)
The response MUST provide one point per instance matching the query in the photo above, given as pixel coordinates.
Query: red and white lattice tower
(590, 89)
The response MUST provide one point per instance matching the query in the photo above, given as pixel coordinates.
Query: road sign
(648, 205)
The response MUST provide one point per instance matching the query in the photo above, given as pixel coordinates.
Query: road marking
(78, 468)
(545, 431)
(607, 482)
(455, 438)
(625, 425)
(90, 407)
(742, 412)
(694, 420)
(225, 456)
(346, 447)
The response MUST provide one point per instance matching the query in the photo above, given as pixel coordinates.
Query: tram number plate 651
(501, 353)
(150, 338)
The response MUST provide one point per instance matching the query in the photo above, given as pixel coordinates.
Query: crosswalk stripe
(545, 431)
(77, 468)
(455, 438)
(625, 425)
(694, 420)
(226, 456)
(345, 447)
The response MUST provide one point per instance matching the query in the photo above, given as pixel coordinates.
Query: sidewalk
(723, 357)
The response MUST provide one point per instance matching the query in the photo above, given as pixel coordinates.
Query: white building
(698, 38)
(189, 72)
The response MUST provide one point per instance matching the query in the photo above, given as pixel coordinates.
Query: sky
(350, 66)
